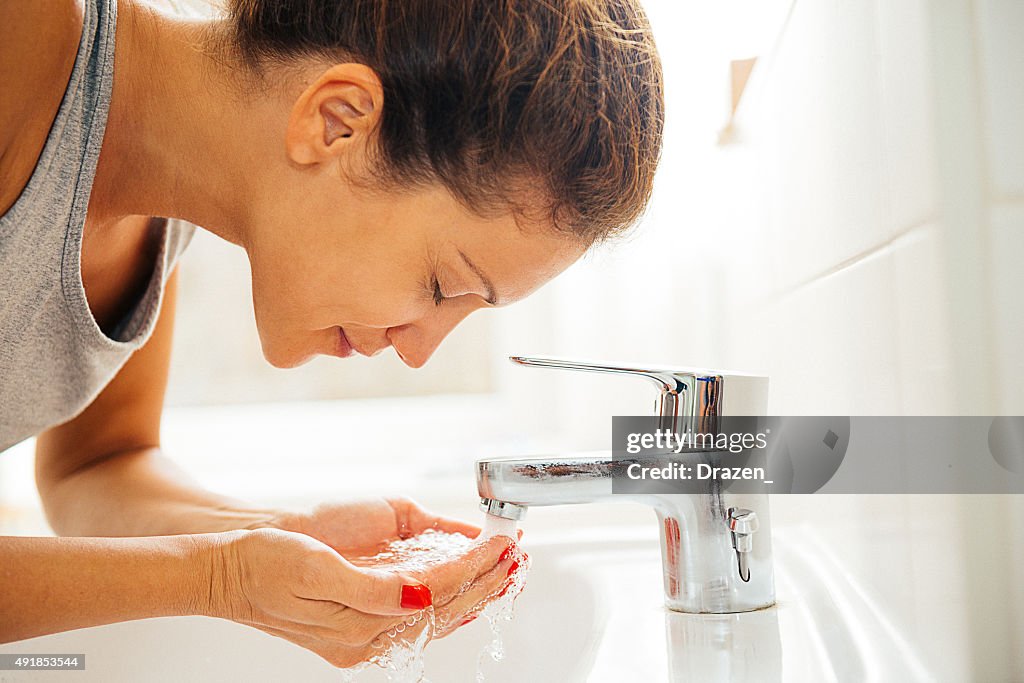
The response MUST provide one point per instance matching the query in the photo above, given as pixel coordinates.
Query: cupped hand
(293, 586)
(357, 525)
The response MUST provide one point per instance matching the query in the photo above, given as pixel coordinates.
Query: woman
(389, 168)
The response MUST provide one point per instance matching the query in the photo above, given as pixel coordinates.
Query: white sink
(591, 612)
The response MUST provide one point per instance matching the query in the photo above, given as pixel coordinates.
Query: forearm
(141, 493)
(49, 585)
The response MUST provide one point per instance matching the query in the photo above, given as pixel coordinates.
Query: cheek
(284, 294)
(377, 291)
(293, 301)
(381, 309)
(309, 274)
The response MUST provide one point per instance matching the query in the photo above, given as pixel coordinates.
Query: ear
(335, 116)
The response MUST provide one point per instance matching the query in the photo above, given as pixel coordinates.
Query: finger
(362, 636)
(411, 519)
(349, 627)
(372, 591)
(451, 577)
(450, 611)
(469, 603)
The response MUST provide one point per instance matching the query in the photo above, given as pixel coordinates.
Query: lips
(344, 348)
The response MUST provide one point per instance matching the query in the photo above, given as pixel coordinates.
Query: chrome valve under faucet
(715, 559)
(742, 524)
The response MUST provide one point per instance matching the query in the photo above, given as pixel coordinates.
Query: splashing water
(402, 660)
(401, 657)
(417, 553)
(500, 611)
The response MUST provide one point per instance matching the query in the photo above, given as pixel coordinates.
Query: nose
(416, 342)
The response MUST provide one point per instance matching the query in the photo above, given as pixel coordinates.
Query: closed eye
(438, 294)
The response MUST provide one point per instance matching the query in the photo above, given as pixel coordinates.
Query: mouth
(344, 348)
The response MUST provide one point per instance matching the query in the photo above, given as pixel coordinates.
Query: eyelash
(436, 293)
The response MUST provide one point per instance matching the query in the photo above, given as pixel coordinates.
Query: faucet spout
(714, 560)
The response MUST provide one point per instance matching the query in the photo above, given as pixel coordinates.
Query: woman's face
(365, 271)
(339, 268)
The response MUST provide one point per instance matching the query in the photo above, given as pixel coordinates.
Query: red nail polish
(416, 596)
(505, 590)
(512, 568)
(506, 553)
(467, 620)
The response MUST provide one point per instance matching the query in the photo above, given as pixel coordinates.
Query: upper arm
(126, 414)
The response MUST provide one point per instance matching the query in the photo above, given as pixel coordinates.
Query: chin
(283, 358)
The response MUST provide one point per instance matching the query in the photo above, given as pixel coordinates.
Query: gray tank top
(54, 359)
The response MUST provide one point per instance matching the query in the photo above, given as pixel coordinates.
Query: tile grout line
(847, 263)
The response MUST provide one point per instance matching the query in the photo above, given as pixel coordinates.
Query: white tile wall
(924, 359)
(816, 122)
(866, 126)
(832, 346)
(854, 318)
(1007, 244)
(907, 146)
(1000, 34)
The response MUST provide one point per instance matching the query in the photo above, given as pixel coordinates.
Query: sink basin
(592, 611)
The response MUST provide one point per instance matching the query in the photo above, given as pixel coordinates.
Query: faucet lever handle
(687, 397)
(666, 378)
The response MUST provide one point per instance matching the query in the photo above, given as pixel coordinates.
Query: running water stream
(401, 647)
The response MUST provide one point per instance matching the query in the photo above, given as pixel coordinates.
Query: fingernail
(467, 620)
(416, 596)
(512, 568)
(506, 553)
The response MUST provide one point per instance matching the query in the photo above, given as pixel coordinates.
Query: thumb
(375, 591)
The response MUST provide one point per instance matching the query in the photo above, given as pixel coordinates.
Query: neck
(176, 137)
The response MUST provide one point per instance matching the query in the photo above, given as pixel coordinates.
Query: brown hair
(486, 95)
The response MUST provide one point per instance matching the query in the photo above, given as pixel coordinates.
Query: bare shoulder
(38, 43)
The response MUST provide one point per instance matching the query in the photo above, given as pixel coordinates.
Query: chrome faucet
(715, 544)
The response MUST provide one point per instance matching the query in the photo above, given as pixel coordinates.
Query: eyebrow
(492, 298)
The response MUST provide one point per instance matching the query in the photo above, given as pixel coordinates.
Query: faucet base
(706, 571)
(686, 608)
